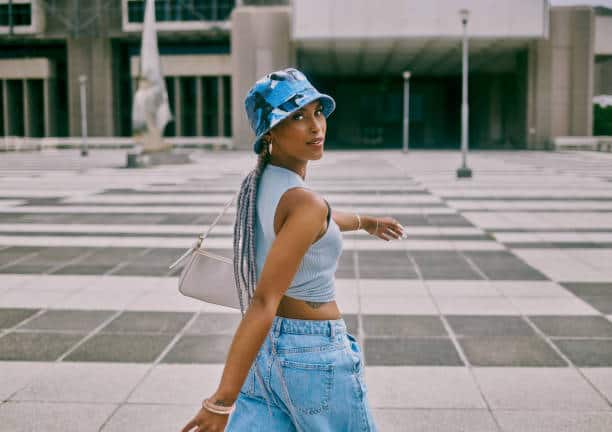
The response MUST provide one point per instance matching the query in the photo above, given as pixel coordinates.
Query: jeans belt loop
(277, 327)
(332, 330)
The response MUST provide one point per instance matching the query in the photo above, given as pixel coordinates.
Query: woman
(291, 366)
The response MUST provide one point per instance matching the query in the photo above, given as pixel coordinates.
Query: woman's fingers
(189, 426)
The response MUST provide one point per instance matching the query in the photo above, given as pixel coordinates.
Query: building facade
(533, 69)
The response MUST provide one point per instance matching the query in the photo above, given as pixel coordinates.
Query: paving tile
(150, 418)
(429, 387)
(392, 288)
(83, 382)
(36, 346)
(398, 305)
(587, 352)
(489, 326)
(54, 417)
(602, 303)
(175, 384)
(589, 289)
(35, 298)
(437, 272)
(130, 348)
(215, 323)
(27, 268)
(60, 320)
(554, 421)
(410, 352)
(8, 281)
(56, 255)
(573, 326)
(15, 374)
(455, 288)
(537, 389)
(511, 351)
(552, 306)
(114, 256)
(169, 301)
(14, 253)
(199, 349)
(476, 306)
(426, 420)
(141, 270)
(79, 269)
(148, 322)
(518, 288)
(403, 326)
(351, 322)
(12, 316)
(601, 378)
(59, 282)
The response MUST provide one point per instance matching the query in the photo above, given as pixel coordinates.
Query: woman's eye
(295, 117)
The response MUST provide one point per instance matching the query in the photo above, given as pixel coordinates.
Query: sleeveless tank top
(314, 280)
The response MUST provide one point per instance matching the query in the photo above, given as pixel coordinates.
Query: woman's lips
(316, 142)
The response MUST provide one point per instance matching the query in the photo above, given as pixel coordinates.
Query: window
(21, 13)
(182, 10)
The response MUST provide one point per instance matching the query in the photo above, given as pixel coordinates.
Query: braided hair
(245, 270)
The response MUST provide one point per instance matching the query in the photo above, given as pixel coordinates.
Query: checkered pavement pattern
(494, 315)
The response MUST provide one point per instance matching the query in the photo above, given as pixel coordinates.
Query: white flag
(151, 98)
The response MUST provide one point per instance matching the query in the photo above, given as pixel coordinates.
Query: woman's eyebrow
(320, 106)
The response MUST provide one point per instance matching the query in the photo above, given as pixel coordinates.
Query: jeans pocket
(309, 385)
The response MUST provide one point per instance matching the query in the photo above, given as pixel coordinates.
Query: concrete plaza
(494, 315)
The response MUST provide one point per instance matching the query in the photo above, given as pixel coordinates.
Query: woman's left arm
(386, 227)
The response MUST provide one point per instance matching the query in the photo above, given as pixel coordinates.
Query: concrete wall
(560, 71)
(260, 44)
(314, 19)
(603, 35)
(603, 77)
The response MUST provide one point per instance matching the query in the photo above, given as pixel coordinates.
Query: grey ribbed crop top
(314, 280)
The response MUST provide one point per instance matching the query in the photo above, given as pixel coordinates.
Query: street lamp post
(406, 135)
(83, 82)
(464, 171)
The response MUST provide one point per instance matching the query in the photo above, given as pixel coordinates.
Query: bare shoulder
(300, 200)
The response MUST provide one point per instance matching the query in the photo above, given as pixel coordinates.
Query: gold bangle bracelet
(359, 225)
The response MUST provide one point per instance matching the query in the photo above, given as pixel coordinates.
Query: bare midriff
(290, 307)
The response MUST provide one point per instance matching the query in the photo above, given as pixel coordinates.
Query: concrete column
(91, 57)
(582, 72)
(199, 106)
(560, 71)
(27, 111)
(5, 107)
(220, 106)
(260, 41)
(178, 116)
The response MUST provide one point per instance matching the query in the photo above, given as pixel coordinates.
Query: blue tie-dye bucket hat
(278, 94)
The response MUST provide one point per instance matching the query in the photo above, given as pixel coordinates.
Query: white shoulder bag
(207, 276)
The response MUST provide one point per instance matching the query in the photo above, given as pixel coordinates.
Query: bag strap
(202, 236)
(212, 225)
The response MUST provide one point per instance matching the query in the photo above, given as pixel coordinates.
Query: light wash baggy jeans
(311, 373)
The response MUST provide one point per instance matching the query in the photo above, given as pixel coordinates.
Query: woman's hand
(206, 421)
(386, 228)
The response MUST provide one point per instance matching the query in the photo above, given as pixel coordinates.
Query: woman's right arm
(301, 227)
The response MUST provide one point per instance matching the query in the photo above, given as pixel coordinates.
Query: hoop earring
(270, 147)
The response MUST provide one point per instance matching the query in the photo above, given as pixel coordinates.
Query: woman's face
(291, 137)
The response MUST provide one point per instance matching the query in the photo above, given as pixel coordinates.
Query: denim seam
(322, 348)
